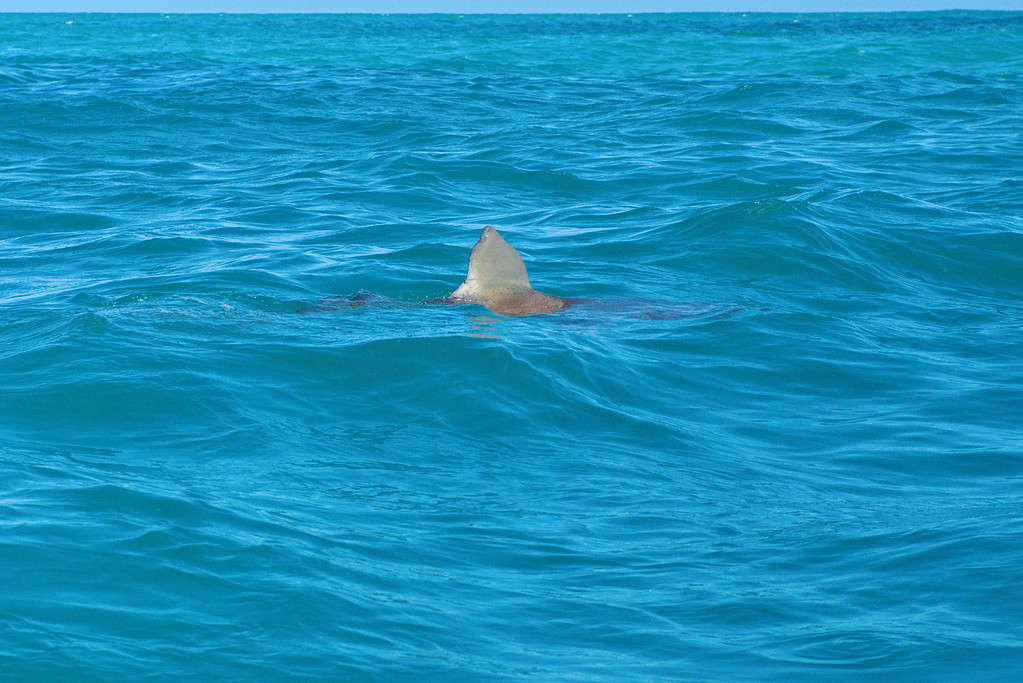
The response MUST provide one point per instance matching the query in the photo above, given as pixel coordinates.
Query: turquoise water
(783, 437)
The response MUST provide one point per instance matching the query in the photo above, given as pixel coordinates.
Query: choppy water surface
(784, 437)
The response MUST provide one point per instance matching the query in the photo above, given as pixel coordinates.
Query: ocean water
(781, 437)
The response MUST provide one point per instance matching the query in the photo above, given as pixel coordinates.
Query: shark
(497, 279)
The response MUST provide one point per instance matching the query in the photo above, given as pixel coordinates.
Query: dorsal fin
(494, 265)
(497, 279)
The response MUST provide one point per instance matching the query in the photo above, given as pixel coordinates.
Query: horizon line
(539, 13)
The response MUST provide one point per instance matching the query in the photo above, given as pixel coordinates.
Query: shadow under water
(641, 309)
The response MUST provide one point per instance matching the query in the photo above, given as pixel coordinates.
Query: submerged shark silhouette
(497, 279)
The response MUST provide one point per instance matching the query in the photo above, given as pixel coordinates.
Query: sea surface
(780, 438)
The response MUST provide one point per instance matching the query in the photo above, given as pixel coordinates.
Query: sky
(473, 6)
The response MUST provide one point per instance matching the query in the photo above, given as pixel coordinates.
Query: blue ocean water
(782, 438)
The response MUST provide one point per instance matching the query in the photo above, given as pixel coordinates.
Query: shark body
(497, 279)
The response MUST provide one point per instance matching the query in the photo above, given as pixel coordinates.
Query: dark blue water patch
(25, 223)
